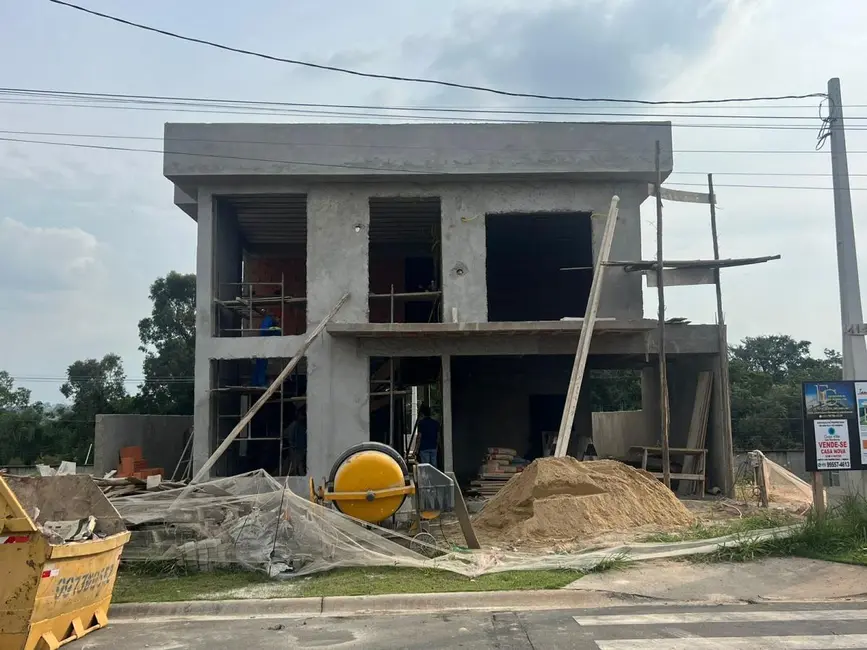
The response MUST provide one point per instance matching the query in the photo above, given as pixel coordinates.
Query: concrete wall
(625, 150)
(30, 470)
(614, 432)
(337, 375)
(161, 438)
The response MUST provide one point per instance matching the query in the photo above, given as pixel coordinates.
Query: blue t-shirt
(429, 433)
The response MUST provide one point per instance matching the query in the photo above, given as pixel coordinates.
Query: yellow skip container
(54, 591)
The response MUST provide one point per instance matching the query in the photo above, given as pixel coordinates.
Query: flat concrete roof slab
(602, 150)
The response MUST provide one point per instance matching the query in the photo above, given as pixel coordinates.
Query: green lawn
(145, 586)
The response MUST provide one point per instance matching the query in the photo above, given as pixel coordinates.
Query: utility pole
(852, 318)
(854, 349)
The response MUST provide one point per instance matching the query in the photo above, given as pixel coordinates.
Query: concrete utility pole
(854, 349)
(852, 318)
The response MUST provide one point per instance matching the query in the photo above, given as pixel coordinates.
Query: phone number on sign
(833, 464)
(74, 585)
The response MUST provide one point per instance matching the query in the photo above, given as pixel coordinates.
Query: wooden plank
(682, 277)
(818, 496)
(681, 477)
(583, 350)
(464, 516)
(680, 196)
(697, 434)
(267, 394)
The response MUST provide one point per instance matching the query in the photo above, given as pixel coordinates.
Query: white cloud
(45, 260)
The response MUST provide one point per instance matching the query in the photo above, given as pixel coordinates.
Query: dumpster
(60, 544)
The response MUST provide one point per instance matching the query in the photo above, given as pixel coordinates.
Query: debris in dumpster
(76, 530)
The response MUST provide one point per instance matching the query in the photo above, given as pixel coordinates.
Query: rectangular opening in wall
(405, 254)
(392, 380)
(525, 257)
(276, 438)
(271, 298)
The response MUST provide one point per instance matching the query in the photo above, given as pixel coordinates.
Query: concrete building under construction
(467, 251)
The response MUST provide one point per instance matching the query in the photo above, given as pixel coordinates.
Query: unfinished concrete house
(467, 251)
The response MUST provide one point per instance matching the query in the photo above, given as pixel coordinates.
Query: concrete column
(650, 402)
(203, 434)
(338, 375)
(463, 257)
(448, 447)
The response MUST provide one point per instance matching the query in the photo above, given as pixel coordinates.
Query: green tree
(766, 373)
(94, 386)
(11, 398)
(168, 340)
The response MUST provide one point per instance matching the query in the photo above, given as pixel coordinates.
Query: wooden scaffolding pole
(586, 332)
(660, 293)
(277, 383)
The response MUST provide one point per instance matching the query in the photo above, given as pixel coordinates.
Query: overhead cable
(423, 80)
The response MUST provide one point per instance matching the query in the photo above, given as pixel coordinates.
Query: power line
(28, 94)
(227, 109)
(422, 80)
(79, 145)
(388, 116)
(255, 142)
(787, 152)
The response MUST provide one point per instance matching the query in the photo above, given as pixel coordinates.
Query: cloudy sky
(84, 232)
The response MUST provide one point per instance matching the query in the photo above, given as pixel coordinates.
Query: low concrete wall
(30, 470)
(161, 438)
(792, 460)
(614, 432)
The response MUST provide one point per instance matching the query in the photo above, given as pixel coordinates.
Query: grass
(153, 584)
(700, 530)
(840, 537)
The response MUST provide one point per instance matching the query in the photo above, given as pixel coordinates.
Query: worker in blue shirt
(428, 436)
(269, 327)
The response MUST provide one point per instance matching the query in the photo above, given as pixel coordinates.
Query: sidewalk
(774, 579)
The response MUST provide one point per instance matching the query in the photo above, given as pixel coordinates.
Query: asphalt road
(752, 627)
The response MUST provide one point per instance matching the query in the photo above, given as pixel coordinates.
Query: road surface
(741, 627)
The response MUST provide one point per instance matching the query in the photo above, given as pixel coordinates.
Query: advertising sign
(835, 425)
(832, 445)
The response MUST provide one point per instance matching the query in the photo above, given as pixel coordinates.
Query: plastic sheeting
(251, 521)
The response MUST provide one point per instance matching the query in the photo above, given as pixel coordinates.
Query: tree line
(32, 432)
(765, 372)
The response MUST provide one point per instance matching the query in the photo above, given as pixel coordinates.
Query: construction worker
(269, 327)
(428, 436)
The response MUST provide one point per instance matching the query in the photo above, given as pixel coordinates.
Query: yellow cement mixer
(371, 481)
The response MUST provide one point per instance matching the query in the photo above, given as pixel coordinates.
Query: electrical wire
(361, 167)
(423, 80)
(403, 117)
(14, 95)
(111, 136)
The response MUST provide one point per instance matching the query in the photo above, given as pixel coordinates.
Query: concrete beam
(622, 150)
(252, 347)
(702, 340)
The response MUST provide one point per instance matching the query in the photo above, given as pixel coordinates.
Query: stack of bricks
(132, 463)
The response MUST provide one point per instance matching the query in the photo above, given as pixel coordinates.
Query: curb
(354, 605)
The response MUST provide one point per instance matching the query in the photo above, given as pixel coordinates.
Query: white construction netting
(251, 521)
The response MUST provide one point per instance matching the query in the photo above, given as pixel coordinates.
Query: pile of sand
(564, 499)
